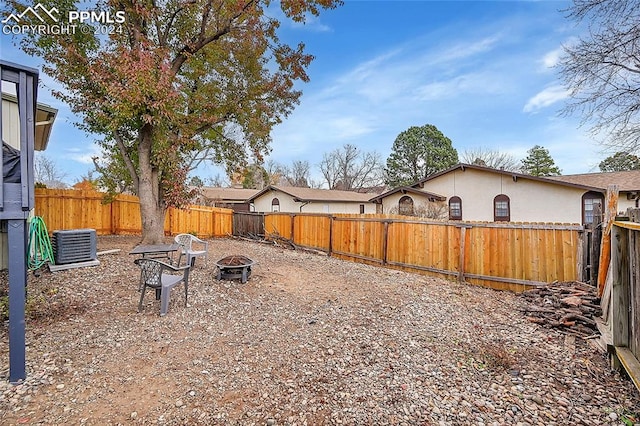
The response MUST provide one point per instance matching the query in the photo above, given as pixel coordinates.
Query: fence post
(293, 219)
(463, 242)
(580, 267)
(385, 242)
(330, 235)
(611, 209)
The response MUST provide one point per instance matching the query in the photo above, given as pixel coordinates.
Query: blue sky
(481, 72)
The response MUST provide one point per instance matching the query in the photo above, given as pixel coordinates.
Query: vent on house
(74, 245)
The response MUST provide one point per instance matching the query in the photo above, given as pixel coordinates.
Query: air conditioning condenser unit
(74, 245)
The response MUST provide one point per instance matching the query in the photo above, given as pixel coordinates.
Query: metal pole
(17, 238)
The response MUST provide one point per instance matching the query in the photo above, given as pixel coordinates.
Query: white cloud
(547, 97)
(552, 58)
(349, 127)
(84, 156)
(463, 50)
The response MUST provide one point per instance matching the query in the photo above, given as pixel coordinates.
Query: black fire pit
(234, 267)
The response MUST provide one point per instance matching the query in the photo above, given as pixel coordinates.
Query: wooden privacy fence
(511, 256)
(74, 209)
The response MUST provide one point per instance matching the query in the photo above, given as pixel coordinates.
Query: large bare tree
(47, 172)
(350, 169)
(298, 174)
(491, 158)
(602, 70)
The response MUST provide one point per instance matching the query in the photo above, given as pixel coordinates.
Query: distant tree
(417, 153)
(539, 163)
(196, 181)
(297, 174)
(275, 172)
(87, 182)
(47, 172)
(254, 176)
(350, 169)
(602, 70)
(108, 167)
(491, 158)
(216, 181)
(619, 162)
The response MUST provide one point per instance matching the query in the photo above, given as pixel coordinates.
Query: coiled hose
(39, 250)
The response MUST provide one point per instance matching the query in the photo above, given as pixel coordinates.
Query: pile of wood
(570, 307)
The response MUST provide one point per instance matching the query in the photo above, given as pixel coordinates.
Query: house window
(501, 209)
(455, 208)
(275, 205)
(592, 203)
(405, 206)
(361, 208)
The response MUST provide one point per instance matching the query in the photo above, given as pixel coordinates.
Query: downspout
(304, 204)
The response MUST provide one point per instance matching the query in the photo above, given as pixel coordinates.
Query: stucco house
(308, 200)
(477, 193)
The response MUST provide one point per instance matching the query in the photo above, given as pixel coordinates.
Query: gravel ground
(308, 340)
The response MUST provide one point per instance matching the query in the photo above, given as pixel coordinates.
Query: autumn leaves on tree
(182, 83)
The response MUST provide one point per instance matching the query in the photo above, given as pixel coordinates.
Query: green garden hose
(39, 250)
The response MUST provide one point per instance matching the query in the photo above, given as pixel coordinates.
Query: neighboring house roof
(240, 195)
(45, 116)
(408, 190)
(310, 194)
(514, 175)
(626, 181)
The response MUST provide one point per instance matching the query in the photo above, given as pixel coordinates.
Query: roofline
(404, 190)
(513, 175)
(264, 191)
(302, 200)
(52, 113)
(244, 200)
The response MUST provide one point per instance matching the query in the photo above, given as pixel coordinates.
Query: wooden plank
(506, 280)
(634, 314)
(630, 364)
(628, 225)
(611, 209)
(620, 288)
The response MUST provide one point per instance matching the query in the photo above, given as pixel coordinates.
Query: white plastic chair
(186, 242)
(152, 275)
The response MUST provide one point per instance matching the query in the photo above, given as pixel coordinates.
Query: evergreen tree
(539, 163)
(417, 153)
(619, 162)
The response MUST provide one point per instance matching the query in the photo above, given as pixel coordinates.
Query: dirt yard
(308, 340)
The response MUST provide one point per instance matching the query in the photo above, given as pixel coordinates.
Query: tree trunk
(152, 206)
(152, 218)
